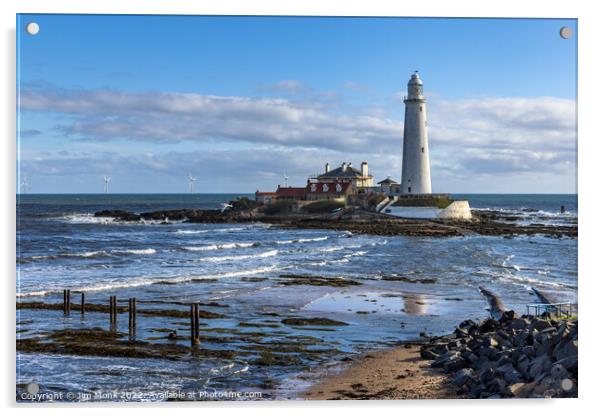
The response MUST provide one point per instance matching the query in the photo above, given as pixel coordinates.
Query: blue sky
(236, 101)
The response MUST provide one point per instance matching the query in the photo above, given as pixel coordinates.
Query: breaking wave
(265, 254)
(226, 246)
(150, 281)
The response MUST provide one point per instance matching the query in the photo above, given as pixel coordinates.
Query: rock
(507, 316)
(523, 365)
(521, 390)
(467, 324)
(559, 372)
(519, 324)
(438, 348)
(570, 363)
(442, 359)
(510, 374)
(461, 332)
(486, 375)
(540, 324)
(427, 354)
(489, 325)
(462, 377)
(539, 365)
(565, 350)
(490, 342)
(455, 364)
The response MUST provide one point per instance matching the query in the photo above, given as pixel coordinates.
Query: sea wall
(457, 210)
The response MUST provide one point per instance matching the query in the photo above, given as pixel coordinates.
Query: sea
(238, 268)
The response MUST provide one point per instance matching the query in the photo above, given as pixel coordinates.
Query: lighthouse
(415, 168)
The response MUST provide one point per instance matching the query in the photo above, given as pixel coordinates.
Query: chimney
(344, 167)
(327, 168)
(364, 169)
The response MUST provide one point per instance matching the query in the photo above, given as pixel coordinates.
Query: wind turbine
(24, 185)
(191, 181)
(285, 180)
(106, 179)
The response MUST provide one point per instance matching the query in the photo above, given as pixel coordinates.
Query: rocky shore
(514, 356)
(353, 220)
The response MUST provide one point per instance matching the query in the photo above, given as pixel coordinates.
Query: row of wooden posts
(114, 311)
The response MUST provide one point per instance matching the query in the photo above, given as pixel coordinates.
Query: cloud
(493, 136)
(174, 117)
(29, 133)
(290, 86)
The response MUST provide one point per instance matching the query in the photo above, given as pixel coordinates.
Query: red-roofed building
(265, 197)
(290, 193)
(327, 190)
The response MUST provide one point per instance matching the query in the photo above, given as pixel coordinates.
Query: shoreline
(508, 357)
(355, 220)
(397, 373)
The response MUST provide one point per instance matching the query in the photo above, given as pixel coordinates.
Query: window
(421, 109)
(423, 150)
(409, 189)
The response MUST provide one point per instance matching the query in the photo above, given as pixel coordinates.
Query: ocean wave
(136, 251)
(218, 259)
(191, 231)
(302, 240)
(88, 218)
(87, 254)
(214, 230)
(210, 247)
(355, 254)
(150, 281)
(527, 282)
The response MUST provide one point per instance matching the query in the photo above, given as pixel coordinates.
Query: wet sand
(392, 374)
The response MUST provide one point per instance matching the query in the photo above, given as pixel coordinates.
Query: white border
(590, 275)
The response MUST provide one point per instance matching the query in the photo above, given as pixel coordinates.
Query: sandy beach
(393, 374)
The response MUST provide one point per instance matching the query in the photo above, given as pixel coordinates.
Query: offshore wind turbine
(191, 181)
(24, 185)
(106, 180)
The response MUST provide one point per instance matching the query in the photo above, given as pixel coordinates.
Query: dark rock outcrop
(512, 356)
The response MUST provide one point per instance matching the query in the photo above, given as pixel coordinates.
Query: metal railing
(558, 310)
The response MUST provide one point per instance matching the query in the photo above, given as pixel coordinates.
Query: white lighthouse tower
(415, 168)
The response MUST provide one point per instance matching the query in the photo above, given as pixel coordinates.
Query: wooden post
(67, 301)
(82, 307)
(196, 323)
(191, 324)
(134, 305)
(113, 309)
(132, 312)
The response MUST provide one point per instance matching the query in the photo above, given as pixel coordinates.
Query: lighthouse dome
(415, 79)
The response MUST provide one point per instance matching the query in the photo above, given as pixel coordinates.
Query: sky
(238, 102)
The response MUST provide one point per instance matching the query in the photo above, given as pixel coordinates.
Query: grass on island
(433, 201)
(323, 206)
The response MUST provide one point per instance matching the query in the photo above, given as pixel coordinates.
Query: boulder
(539, 365)
(489, 325)
(463, 376)
(455, 364)
(570, 363)
(510, 374)
(539, 324)
(521, 390)
(519, 324)
(566, 349)
(508, 316)
(427, 354)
